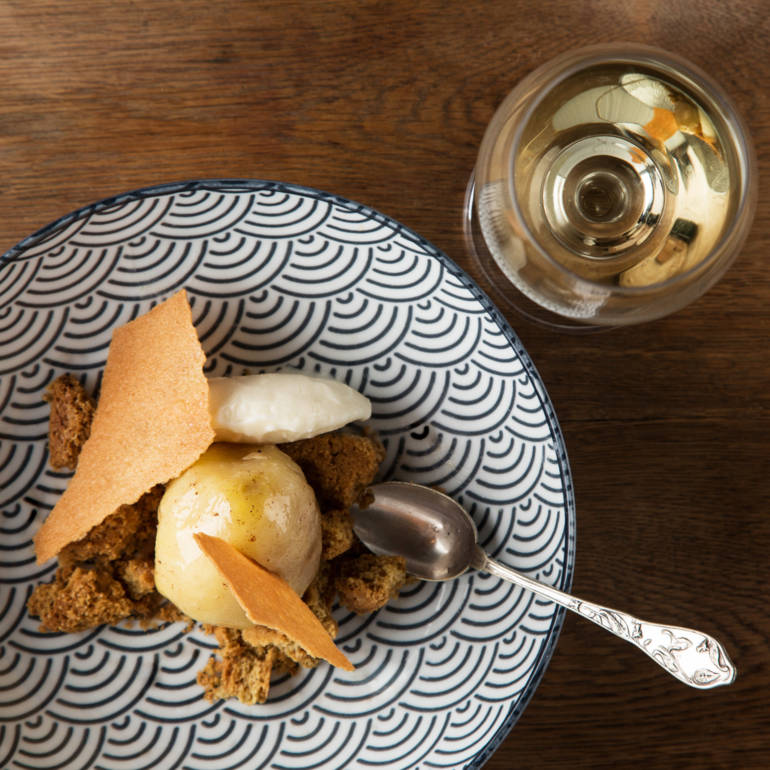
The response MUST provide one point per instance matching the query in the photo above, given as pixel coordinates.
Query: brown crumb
(138, 575)
(261, 636)
(169, 613)
(366, 583)
(78, 599)
(243, 671)
(336, 533)
(72, 411)
(319, 596)
(339, 466)
(128, 531)
(106, 577)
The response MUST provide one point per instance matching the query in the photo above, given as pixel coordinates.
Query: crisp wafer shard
(268, 600)
(151, 423)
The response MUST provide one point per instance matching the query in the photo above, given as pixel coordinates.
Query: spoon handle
(693, 657)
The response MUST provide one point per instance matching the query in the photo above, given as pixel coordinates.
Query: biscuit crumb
(169, 613)
(336, 533)
(79, 599)
(69, 425)
(105, 577)
(242, 671)
(367, 582)
(261, 636)
(138, 576)
(129, 532)
(319, 596)
(339, 466)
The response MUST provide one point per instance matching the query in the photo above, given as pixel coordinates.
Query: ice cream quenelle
(254, 497)
(281, 406)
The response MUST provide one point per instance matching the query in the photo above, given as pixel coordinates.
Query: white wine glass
(614, 185)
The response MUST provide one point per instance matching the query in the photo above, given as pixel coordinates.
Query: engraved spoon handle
(693, 657)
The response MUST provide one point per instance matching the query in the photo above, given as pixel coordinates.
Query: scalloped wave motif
(285, 277)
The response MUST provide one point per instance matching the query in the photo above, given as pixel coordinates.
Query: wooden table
(385, 103)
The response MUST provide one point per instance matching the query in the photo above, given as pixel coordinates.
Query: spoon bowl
(437, 538)
(434, 534)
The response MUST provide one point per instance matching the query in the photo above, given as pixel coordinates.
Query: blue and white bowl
(281, 276)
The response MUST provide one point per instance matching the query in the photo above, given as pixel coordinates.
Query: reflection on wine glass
(614, 185)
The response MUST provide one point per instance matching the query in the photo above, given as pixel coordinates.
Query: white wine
(599, 189)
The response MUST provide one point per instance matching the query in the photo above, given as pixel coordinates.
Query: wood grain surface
(385, 103)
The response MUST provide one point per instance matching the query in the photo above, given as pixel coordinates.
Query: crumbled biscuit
(242, 671)
(72, 411)
(261, 636)
(339, 466)
(130, 530)
(168, 613)
(336, 533)
(138, 576)
(319, 596)
(79, 599)
(366, 583)
(105, 577)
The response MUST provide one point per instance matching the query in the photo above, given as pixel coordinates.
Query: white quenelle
(279, 407)
(254, 497)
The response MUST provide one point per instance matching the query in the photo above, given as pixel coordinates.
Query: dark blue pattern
(285, 277)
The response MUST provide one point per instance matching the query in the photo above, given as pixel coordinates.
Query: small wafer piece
(152, 422)
(269, 601)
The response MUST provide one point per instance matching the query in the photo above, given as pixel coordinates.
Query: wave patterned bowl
(281, 277)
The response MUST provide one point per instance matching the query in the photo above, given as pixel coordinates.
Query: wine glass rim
(706, 88)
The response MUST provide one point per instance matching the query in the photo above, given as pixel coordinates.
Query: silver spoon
(437, 538)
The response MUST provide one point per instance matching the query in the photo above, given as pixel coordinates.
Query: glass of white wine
(614, 185)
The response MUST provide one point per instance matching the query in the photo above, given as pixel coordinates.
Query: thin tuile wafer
(151, 423)
(268, 600)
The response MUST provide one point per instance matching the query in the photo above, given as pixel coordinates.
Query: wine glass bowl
(614, 185)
